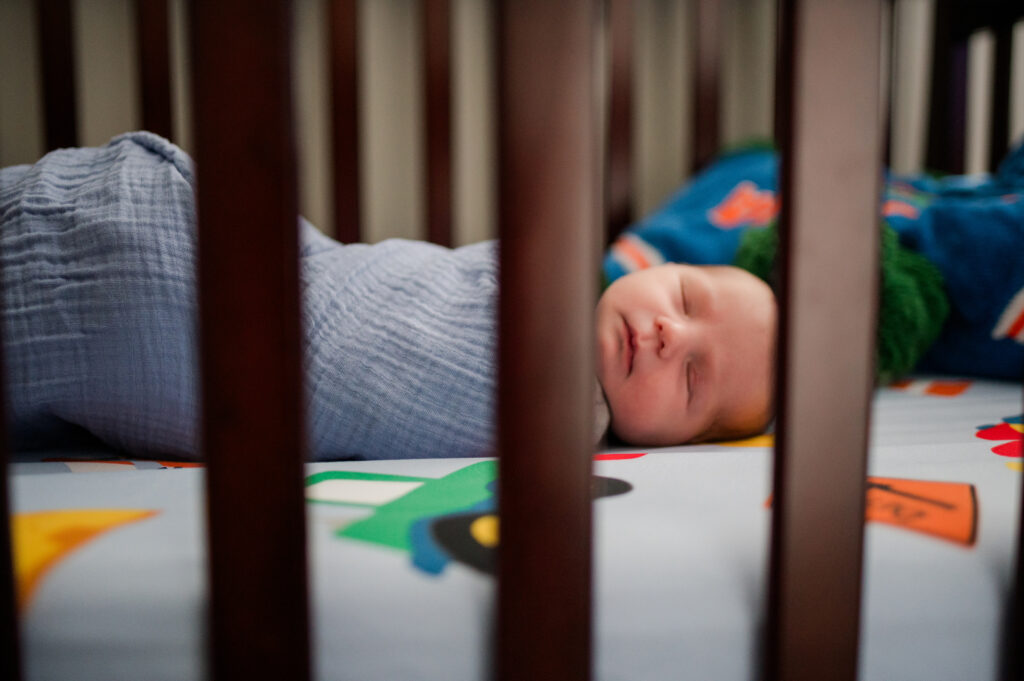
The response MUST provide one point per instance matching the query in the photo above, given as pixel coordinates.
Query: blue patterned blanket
(970, 227)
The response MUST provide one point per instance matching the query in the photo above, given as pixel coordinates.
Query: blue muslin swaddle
(98, 248)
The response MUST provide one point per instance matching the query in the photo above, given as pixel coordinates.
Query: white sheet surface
(680, 562)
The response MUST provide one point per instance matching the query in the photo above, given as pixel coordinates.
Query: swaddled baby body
(98, 250)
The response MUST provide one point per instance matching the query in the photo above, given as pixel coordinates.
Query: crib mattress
(111, 560)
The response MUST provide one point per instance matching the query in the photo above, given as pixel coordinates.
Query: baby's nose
(674, 335)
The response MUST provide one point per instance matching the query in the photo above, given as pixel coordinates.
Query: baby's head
(686, 353)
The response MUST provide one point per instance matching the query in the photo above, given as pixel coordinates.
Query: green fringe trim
(913, 304)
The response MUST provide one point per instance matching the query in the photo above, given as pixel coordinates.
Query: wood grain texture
(550, 207)
(253, 422)
(344, 68)
(10, 650)
(707, 60)
(57, 59)
(830, 184)
(153, 48)
(1012, 662)
(438, 118)
(619, 192)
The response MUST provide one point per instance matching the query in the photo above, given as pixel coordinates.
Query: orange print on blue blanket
(745, 205)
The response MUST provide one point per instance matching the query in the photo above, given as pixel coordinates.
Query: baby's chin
(647, 435)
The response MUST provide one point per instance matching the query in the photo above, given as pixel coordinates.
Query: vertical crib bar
(708, 41)
(57, 57)
(948, 99)
(999, 121)
(10, 653)
(437, 98)
(10, 648)
(1013, 633)
(153, 47)
(619, 154)
(831, 164)
(549, 218)
(253, 438)
(344, 68)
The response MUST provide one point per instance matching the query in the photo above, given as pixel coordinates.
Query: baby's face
(686, 353)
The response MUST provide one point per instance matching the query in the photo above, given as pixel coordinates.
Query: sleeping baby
(686, 353)
(952, 285)
(98, 251)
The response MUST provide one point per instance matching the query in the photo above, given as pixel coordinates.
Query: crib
(564, 186)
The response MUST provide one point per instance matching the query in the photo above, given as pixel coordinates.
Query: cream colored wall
(748, 70)
(473, 110)
(909, 93)
(392, 147)
(103, 30)
(21, 139)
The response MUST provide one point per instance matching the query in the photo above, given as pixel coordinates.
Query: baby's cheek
(636, 417)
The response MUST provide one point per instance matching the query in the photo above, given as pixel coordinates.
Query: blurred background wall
(392, 144)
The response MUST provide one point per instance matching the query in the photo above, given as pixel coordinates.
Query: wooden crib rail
(153, 47)
(831, 163)
(344, 69)
(437, 112)
(57, 58)
(550, 207)
(550, 194)
(705, 125)
(1013, 629)
(55, 30)
(707, 40)
(10, 649)
(954, 23)
(618, 180)
(253, 421)
(153, 52)
(437, 116)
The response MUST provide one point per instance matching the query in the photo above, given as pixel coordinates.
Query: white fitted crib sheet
(111, 556)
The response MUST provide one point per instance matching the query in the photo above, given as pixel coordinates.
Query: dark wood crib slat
(437, 114)
(707, 34)
(344, 69)
(437, 100)
(619, 152)
(1012, 661)
(10, 652)
(549, 216)
(57, 59)
(999, 119)
(830, 183)
(253, 420)
(955, 21)
(153, 47)
(948, 94)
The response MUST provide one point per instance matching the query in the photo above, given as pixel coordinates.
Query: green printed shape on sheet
(355, 475)
(390, 523)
